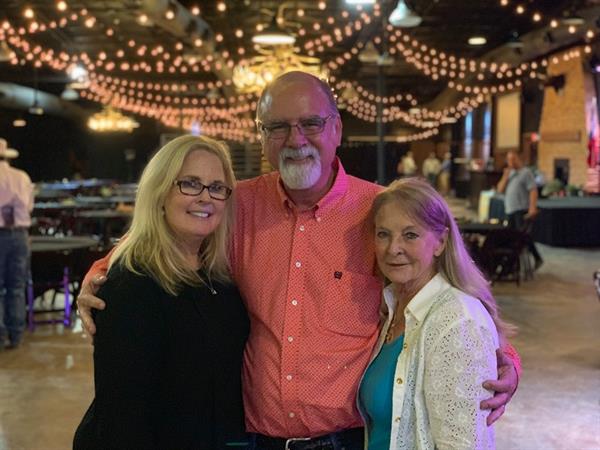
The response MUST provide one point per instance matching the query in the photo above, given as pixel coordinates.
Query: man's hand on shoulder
(87, 300)
(504, 387)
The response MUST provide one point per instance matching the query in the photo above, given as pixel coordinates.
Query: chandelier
(111, 120)
(252, 75)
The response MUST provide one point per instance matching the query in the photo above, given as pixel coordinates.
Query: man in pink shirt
(303, 258)
(16, 203)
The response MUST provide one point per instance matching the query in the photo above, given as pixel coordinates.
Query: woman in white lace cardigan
(423, 387)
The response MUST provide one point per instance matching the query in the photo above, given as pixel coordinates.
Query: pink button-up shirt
(16, 190)
(308, 281)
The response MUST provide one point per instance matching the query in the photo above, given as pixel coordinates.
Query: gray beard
(302, 176)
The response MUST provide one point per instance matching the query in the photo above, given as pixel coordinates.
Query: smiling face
(192, 218)
(304, 162)
(405, 250)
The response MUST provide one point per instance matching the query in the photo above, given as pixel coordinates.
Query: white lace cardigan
(449, 349)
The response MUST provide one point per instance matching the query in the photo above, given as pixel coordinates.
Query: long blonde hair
(423, 204)
(150, 245)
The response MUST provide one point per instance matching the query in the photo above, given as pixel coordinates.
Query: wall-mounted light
(19, 122)
(556, 82)
(477, 40)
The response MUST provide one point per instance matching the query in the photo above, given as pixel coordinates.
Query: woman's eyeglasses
(194, 188)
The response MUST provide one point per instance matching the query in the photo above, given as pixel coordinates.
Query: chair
(57, 272)
(502, 255)
(49, 272)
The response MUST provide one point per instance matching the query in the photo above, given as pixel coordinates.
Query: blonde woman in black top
(168, 347)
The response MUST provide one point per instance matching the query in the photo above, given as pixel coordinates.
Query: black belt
(331, 441)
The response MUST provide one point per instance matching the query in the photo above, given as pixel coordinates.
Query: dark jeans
(345, 440)
(14, 251)
(517, 221)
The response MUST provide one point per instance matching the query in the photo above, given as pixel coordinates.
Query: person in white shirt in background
(444, 176)
(16, 204)
(440, 332)
(431, 168)
(407, 166)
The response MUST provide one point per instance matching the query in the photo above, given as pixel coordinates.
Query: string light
(134, 57)
(536, 17)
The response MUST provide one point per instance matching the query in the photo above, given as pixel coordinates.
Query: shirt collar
(421, 303)
(335, 193)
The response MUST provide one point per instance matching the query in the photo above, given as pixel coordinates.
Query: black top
(167, 369)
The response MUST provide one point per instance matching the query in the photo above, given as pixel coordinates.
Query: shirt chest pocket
(351, 304)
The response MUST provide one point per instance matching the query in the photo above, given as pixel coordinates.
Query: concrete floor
(46, 385)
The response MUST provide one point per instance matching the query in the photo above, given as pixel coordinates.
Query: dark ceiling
(446, 27)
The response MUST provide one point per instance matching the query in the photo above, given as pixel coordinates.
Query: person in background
(16, 204)
(407, 166)
(440, 333)
(431, 169)
(444, 176)
(303, 259)
(168, 351)
(520, 199)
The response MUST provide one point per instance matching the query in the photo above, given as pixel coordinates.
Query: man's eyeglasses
(307, 127)
(194, 188)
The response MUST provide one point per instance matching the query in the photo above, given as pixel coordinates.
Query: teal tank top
(375, 394)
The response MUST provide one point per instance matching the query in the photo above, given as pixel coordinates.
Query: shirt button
(289, 378)
(399, 380)
(292, 415)
(318, 219)
(290, 338)
(397, 419)
(298, 263)
(295, 302)
(301, 227)
(405, 346)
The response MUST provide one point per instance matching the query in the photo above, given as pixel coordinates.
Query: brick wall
(563, 127)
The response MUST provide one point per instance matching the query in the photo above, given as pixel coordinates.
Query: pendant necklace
(390, 331)
(211, 288)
